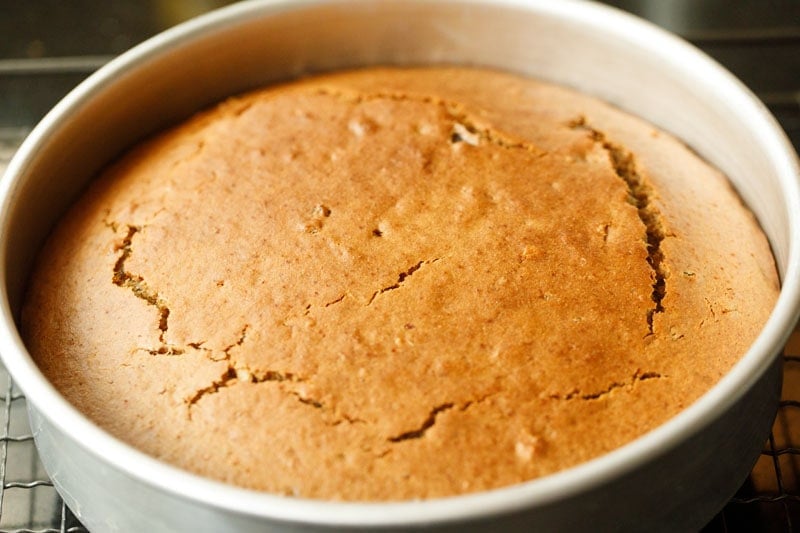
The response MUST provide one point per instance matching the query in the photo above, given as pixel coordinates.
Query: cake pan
(673, 478)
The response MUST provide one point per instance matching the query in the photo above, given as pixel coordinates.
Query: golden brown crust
(390, 284)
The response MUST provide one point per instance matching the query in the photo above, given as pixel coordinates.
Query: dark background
(759, 40)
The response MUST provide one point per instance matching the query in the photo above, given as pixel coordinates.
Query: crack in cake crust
(466, 127)
(401, 278)
(235, 373)
(640, 195)
(588, 396)
(122, 278)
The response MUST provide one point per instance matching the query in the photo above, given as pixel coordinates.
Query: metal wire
(774, 505)
(45, 512)
(5, 438)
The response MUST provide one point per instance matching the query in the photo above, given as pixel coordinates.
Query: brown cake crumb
(390, 284)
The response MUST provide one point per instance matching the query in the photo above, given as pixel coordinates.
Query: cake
(397, 283)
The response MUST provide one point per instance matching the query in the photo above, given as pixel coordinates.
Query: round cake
(392, 284)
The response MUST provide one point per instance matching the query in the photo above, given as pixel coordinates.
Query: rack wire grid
(758, 41)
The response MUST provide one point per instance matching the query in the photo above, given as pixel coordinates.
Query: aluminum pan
(594, 48)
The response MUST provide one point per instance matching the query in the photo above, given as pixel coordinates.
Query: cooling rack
(758, 41)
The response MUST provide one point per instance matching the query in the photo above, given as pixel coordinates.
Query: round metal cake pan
(673, 478)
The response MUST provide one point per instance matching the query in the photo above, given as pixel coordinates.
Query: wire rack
(27, 498)
(768, 501)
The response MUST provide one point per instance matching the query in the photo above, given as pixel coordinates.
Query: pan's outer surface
(674, 478)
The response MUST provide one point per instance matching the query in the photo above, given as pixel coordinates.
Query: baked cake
(391, 284)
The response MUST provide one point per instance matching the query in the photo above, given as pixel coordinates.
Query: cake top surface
(397, 283)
